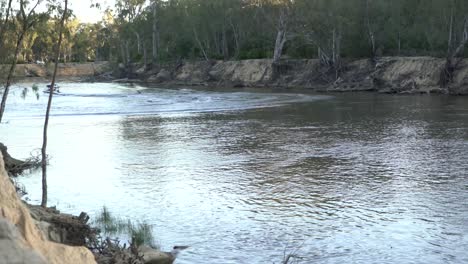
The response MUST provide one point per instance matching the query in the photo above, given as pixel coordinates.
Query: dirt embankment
(21, 239)
(387, 75)
(67, 70)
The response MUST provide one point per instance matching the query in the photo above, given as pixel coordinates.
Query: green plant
(140, 233)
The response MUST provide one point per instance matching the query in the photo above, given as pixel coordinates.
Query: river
(245, 176)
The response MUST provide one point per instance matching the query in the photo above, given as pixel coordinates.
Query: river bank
(37, 235)
(394, 75)
(67, 71)
(404, 75)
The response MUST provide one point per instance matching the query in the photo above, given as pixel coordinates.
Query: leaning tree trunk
(281, 38)
(281, 35)
(200, 44)
(49, 104)
(11, 74)
(279, 45)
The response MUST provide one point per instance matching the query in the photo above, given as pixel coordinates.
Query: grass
(140, 233)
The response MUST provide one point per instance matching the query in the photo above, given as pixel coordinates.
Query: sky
(85, 13)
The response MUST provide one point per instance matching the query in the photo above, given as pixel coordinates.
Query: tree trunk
(446, 75)
(145, 55)
(399, 43)
(281, 36)
(370, 32)
(337, 53)
(450, 36)
(236, 38)
(138, 41)
(225, 43)
(200, 45)
(11, 73)
(155, 36)
(279, 45)
(49, 104)
(127, 52)
(122, 53)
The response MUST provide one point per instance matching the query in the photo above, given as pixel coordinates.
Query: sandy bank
(21, 240)
(387, 75)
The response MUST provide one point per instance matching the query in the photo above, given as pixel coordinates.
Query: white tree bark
(281, 35)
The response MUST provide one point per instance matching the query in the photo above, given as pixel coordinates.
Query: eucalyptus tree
(278, 14)
(127, 12)
(456, 42)
(155, 35)
(26, 18)
(6, 8)
(323, 24)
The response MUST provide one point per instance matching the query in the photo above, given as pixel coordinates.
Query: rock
(154, 256)
(247, 72)
(31, 239)
(11, 250)
(141, 70)
(62, 228)
(162, 76)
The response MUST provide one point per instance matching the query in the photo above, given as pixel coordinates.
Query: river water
(246, 176)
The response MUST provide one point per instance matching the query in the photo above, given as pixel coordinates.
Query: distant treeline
(154, 31)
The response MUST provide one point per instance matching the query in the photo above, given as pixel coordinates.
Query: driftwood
(16, 167)
(111, 251)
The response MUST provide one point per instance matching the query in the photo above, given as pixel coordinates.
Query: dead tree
(454, 55)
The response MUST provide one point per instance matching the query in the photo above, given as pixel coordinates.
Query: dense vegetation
(157, 30)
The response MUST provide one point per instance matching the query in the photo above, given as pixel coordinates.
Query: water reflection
(355, 178)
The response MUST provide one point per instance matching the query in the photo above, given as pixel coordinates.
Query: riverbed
(247, 176)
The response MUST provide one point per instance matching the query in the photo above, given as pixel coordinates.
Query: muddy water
(244, 176)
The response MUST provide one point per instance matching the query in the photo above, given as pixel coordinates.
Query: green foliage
(245, 29)
(140, 233)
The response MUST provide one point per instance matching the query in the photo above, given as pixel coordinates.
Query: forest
(159, 31)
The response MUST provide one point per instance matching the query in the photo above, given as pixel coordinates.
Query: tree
(26, 21)
(49, 104)
(155, 31)
(4, 23)
(282, 28)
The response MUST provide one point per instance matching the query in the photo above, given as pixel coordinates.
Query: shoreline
(46, 235)
(388, 75)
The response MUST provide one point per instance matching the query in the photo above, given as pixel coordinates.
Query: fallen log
(16, 167)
